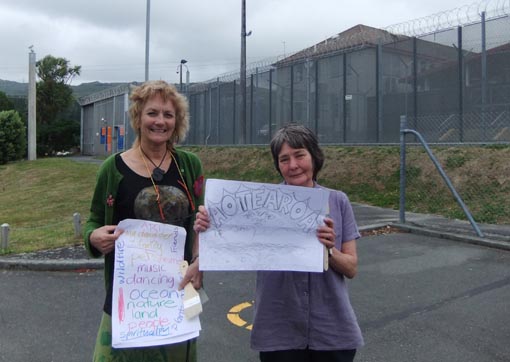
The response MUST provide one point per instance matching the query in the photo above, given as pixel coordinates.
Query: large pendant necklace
(156, 188)
(157, 173)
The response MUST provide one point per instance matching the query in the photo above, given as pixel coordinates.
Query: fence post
(77, 224)
(402, 203)
(5, 236)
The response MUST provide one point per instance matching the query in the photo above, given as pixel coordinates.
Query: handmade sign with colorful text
(147, 308)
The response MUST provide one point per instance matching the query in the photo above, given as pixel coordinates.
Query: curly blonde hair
(142, 93)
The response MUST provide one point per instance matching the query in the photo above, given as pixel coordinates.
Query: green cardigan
(108, 179)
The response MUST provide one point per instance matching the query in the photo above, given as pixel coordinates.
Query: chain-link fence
(448, 73)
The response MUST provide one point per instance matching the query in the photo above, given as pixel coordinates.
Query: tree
(54, 97)
(5, 103)
(13, 143)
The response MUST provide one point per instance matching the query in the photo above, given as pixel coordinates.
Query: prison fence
(448, 73)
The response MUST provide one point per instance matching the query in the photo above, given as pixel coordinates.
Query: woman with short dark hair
(301, 316)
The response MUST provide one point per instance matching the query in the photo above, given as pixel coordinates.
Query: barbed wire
(354, 38)
(259, 66)
(362, 36)
(460, 16)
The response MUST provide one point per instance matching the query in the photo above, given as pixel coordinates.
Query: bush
(5, 102)
(13, 143)
(57, 136)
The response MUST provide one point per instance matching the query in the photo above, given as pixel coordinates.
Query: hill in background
(13, 89)
(16, 89)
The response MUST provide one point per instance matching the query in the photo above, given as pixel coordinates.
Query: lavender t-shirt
(295, 310)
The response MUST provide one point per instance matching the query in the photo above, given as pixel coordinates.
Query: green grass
(38, 198)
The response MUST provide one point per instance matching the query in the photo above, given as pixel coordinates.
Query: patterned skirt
(103, 351)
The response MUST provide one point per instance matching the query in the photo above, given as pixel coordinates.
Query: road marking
(234, 318)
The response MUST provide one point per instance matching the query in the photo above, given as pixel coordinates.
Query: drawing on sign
(257, 226)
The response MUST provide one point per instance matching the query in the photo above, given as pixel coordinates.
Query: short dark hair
(297, 136)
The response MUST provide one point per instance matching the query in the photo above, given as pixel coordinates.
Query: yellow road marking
(234, 318)
(238, 308)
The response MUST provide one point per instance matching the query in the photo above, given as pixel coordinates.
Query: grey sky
(107, 38)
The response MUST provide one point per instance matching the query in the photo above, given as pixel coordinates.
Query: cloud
(107, 38)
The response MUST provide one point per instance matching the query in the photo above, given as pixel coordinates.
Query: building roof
(359, 36)
(105, 94)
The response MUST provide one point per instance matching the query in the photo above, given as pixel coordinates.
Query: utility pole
(147, 36)
(242, 138)
(32, 125)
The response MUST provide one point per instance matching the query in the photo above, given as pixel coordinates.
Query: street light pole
(147, 35)
(183, 61)
(187, 80)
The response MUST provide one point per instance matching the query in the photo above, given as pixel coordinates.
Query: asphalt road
(418, 298)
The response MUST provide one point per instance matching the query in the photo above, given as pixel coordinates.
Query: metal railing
(5, 230)
(402, 204)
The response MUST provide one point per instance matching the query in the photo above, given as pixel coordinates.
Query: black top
(137, 199)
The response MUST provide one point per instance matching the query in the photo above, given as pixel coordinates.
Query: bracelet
(193, 259)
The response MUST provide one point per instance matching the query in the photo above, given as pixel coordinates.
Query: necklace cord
(183, 184)
(156, 189)
(163, 159)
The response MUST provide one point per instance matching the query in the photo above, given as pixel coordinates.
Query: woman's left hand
(202, 220)
(344, 259)
(193, 275)
(326, 233)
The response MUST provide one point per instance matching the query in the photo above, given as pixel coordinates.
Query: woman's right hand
(202, 220)
(103, 238)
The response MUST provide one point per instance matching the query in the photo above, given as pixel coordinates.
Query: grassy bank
(39, 198)
(371, 175)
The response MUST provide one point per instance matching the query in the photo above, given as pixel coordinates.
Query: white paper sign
(147, 307)
(257, 226)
